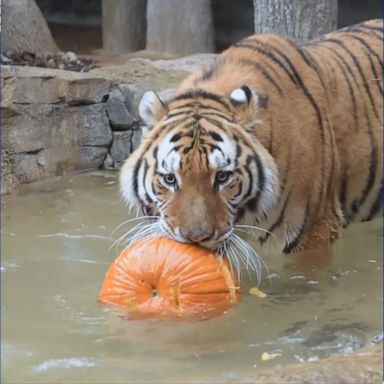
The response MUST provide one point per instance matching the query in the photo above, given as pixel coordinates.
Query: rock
(137, 135)
(48, 140)
(24, 28)
(89, 158)
(132, 95)
(108, 162)
(121, 147)
(32, 85)
(123, 144)
(35, 128)
(119, 117)
(9, 181)
(27, 169)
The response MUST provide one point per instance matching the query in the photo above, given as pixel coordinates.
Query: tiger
(277, 135)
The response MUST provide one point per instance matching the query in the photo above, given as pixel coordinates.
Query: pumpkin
(161, 278)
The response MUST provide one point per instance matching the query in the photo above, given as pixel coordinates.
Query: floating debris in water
(269, 356)
(256, 292)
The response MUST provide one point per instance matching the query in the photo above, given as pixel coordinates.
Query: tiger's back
(321, 119)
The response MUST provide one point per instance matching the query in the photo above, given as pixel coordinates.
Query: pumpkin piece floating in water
(162, 278)
(257, 292)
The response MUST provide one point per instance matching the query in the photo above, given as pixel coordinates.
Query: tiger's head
(200, 166)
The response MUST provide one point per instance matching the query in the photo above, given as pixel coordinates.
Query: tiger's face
(198, 169)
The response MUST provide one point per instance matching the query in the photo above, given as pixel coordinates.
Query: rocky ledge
(56, 121)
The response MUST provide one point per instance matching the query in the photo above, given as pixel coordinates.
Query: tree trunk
(124, 25)
(297, 19)
(179, 26)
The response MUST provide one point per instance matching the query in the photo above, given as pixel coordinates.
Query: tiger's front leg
(321, 232)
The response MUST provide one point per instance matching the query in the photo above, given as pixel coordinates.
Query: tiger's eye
(170, 178)
(222, 177)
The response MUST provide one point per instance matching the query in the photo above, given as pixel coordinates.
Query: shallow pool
(56, 238)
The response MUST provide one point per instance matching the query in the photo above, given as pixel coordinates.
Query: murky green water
(55, 251)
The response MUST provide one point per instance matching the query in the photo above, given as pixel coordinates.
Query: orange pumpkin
(166, 279)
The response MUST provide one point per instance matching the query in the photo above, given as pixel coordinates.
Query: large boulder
(24, 28)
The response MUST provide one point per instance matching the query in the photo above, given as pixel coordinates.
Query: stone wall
(55, 122)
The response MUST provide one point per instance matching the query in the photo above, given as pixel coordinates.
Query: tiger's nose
(197, 235)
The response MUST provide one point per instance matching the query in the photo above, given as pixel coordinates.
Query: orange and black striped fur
(284, 136)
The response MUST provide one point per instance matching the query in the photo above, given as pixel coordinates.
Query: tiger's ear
(151, 108)
(247, 102)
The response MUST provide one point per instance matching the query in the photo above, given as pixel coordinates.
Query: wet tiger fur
(279, 135)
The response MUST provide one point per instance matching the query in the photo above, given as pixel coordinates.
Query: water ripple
(77, 362)
(71, 236)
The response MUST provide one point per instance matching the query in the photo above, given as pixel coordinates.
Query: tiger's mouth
(226, 244)
(212, 241)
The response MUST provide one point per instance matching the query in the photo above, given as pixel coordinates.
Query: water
(56, 236)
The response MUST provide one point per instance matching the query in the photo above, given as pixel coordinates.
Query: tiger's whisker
(140, 230)
(232, 257)
(224, 249)
(144, 231)
(241, 230)
(237, 256)
(260, 261)
(244, 253)
(237, 226)
(136, 227)
(247, 255)
(131, 220)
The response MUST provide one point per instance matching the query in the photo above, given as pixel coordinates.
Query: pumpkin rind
(166, 279)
